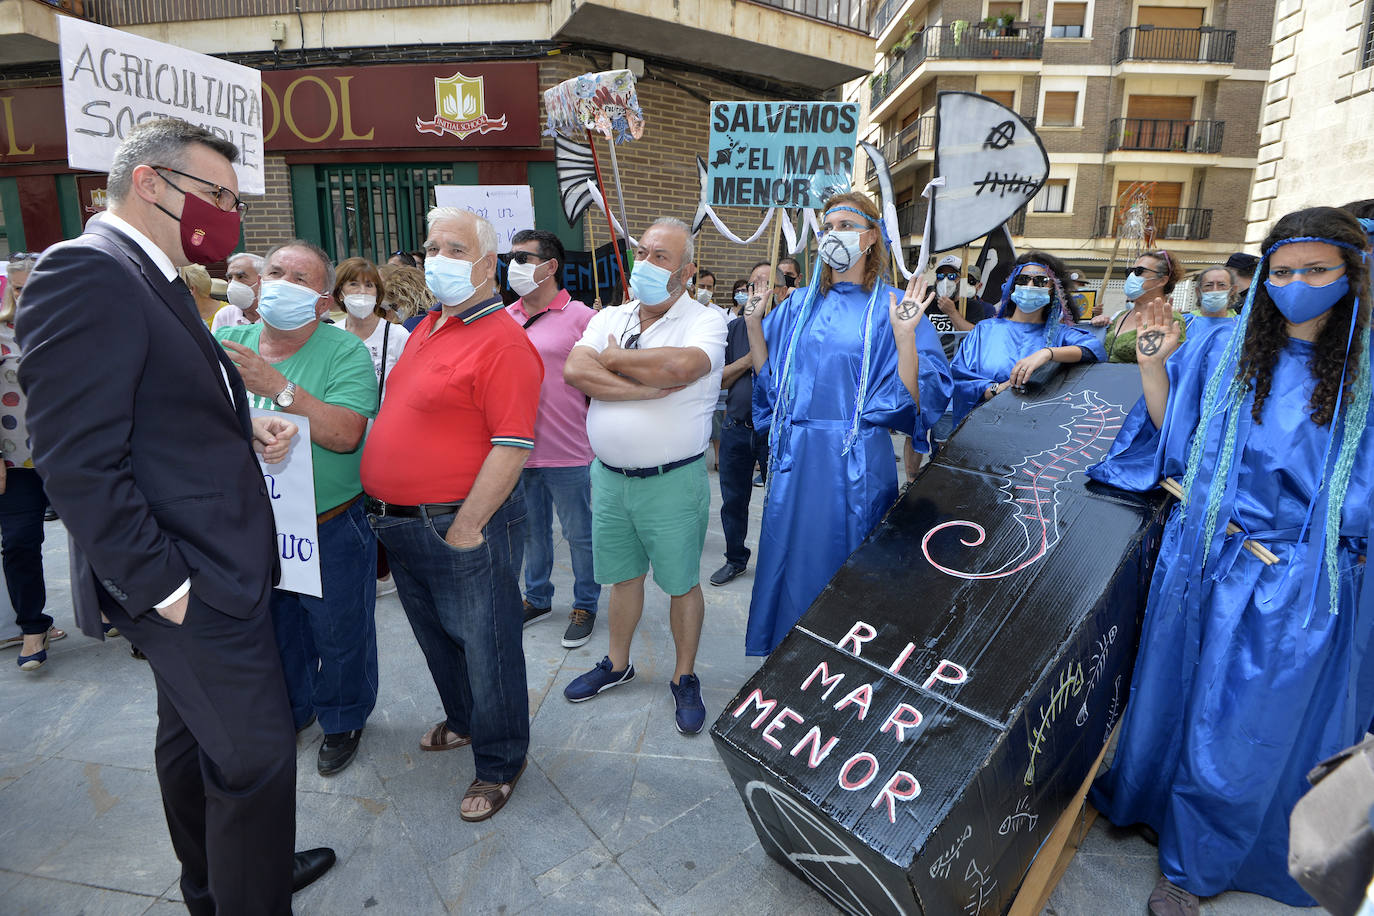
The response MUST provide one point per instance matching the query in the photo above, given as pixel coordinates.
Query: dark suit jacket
(142, 452)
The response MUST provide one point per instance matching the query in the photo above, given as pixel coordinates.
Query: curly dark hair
(1064, 283)
(1267, 333)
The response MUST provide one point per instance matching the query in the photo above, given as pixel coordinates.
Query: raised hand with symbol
(906, 313)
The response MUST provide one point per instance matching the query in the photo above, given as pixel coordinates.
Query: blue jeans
(569, 491)
(21, 545)
(740, 448)
(328, 645)
(464, 608)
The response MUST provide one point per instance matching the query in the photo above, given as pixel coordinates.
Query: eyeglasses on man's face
(222, 197)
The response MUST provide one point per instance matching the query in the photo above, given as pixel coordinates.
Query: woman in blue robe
(1250, 674)
(1034, 325)
(839, 365)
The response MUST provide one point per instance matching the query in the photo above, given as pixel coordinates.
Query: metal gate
(372, 210)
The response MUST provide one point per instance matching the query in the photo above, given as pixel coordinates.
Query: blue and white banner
(781, 154)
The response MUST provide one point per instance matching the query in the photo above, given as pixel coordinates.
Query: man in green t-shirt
(292, 362)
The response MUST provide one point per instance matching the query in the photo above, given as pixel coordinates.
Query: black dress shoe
(726, 573)
(338, 751)
(309, 866)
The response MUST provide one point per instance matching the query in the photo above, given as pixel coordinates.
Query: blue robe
(1205, 322)
(822, 504)
(988, 353)
(1235, 694)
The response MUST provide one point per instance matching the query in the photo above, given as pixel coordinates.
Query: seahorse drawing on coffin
(912, 742)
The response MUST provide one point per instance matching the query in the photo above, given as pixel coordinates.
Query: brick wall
(269, 220)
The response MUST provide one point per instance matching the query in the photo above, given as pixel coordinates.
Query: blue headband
(850, 210)
(1309, 238)
(1368, 225)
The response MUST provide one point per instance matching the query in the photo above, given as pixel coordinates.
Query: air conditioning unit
(1176, 231)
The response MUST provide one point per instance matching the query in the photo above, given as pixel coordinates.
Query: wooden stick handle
(1267, 556)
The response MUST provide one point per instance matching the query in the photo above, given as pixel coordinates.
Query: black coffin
(914, 739)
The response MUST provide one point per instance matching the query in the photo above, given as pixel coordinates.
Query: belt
(331, 514)
(382, 510)
(652, 472)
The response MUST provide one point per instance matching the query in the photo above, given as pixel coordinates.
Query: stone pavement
(617, 812)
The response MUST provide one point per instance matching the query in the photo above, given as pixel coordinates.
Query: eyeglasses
(24, 257)
(220, 195)
(1024, 280)
(525, 257)
(1140, 270)
(631, 342)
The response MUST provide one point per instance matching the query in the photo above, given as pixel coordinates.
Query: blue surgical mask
(649, 283)
(1215, 300)
(449, 279)
(840, 249)
(741, 297)
(1299, 302)
(1135, 285)
(1030, 298)
(287, 306)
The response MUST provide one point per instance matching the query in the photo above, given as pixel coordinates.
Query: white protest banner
(112, 80)
(508, 207)
(291, 487)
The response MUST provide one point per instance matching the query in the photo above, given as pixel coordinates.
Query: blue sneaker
(586, 686)
(691, 712)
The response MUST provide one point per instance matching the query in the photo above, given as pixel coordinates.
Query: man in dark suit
(141, 431)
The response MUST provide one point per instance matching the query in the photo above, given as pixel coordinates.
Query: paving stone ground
(616, 813)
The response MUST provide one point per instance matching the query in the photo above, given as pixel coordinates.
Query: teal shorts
(639, 522)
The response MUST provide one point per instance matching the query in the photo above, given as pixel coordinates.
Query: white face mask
(360, 305)
(521, 278)
(945, 288)
(240, 295)
(704, 296)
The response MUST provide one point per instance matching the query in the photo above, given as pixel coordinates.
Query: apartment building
(1160, 94)
(1316, 139)
(336, 71)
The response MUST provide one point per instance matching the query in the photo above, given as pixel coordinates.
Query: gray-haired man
(461, 403)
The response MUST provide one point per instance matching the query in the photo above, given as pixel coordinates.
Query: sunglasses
(1140, 270)
(525, 257)
(24, 257)
(1023, 280)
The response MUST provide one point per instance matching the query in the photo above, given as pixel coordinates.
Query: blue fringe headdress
(1228, 404)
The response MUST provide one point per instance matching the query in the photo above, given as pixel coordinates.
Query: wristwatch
(287, 396)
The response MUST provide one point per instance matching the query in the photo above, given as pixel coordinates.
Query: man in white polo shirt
(652, 369)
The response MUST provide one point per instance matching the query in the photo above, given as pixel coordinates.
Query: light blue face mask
(1215, 300)
(1300, 302)
(649, 283)
(1030, 298)
(449, 279)
(741, 297)
(286, 306)
(1135, 285)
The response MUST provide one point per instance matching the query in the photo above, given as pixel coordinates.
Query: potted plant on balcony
(989, 26)
(960, 26)
(1004, 23)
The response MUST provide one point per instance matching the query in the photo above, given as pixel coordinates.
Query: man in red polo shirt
(461, 403)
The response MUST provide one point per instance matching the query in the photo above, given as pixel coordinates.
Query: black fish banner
(912, 742)
(578, 276)
(994, 265)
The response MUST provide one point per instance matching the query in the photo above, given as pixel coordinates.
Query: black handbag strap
(381, 380)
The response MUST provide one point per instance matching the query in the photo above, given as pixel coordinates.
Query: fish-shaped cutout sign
(992, 162)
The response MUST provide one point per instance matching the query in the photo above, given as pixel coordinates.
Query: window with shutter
(1060, 109)
(996, 10)
(1005, 97)
(1068, 20)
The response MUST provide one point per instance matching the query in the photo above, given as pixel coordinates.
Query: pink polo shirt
(560, 432)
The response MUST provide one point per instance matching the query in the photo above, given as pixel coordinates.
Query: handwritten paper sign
(781, 154)
(112, 80)
(508, 207)
(291, 487)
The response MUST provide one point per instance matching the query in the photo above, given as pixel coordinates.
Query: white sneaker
(386, 586)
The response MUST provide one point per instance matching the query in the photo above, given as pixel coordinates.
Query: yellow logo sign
(460, 109)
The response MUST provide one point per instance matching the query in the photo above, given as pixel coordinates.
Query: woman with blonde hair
(840, 364)
(407, 294)
(22, 500)
(1149, 283)
(197, 280)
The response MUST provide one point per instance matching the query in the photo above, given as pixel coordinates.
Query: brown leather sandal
(496, 794)
(438, 739)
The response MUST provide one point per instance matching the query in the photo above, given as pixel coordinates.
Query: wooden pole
(773, 253)
(610, 224)
(596, 280)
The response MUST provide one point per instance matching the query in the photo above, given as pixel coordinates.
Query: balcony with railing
(918, 135)
(1191, 224)
(1165, 136)
(911, 218)
(1203, 45)
(885, 14)
(947, 42)
(848, 14)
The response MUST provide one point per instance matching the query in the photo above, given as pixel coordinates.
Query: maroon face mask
(208, 234)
